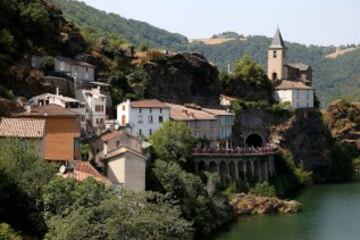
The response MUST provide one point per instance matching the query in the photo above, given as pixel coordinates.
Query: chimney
(57, 91)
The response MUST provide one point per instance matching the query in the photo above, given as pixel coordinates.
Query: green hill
(333, 78)
(136, 32)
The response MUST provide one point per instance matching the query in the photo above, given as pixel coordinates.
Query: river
(330, 212)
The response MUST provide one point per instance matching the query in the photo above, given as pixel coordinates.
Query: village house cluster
(56, 125)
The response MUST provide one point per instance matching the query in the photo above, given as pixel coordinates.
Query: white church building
(293, 82)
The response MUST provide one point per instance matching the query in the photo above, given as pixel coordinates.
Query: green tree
(7, 233)
(22, 176)
(173, 141)
(188, 189)
(63, 196)
(247, 69)
(126, 216)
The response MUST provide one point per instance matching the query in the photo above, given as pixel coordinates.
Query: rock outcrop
(184, 78)
(245, 204)
(343, 121)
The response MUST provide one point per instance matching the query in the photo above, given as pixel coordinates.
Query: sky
(319, 22)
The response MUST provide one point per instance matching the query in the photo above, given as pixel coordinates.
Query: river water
(330, 212)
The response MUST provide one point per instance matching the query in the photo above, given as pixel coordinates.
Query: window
(274, 76)
(161, 119)
(274, 54)
(197, 124)
(140, 132)
(150, 110)
(117, 143)
(62, 66)
(150, 131)
(140, 119)
(139, 110)
(160, 110)
(82, 118)
(99, 108)
(123, 107)
(151, 118)
(212, 124)
(297, 93)
(307, 95)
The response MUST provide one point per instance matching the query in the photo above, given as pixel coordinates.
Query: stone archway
(201, 167)
(213, 167)
(223, 171)
(254, 140)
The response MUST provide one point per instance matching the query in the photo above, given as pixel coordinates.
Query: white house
(82, 70)
(95, 104)
(142, 117)
(62, 101)
(212, 124)
(296, 93)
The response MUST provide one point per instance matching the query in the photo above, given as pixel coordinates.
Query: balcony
(267, 149)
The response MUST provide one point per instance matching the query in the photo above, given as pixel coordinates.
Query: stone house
(30, 131)
(122, 157)
(62, 131)
(83, 71)
(214, 125)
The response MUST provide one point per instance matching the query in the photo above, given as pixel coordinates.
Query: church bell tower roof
(277, 41)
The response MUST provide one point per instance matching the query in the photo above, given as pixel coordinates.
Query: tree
(22, 176)
(124, 216)
(187, 188)
(173, 141)
(247, 69)
(63, 196)
(7, 233)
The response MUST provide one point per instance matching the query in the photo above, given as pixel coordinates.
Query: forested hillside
(333, 78)
(136, 32)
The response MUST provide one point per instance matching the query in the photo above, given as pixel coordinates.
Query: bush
(263, 189)
(7, 233)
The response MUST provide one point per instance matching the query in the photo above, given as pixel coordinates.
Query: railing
(264, 150)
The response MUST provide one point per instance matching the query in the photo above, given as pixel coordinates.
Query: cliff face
(343, 120)
(306, 138)
(184, 78)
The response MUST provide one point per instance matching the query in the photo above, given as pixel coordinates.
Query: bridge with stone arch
(237, 164)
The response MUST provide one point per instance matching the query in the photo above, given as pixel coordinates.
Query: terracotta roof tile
(110, 135)
(218, 112)
(22, 127)
(228, 97)
(50, 110)
(182, 113)
(84, 170)
(148, 103)
(288, 84)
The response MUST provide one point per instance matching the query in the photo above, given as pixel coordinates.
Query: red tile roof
(148, 103)
(50, 110)
(288, 85)
(84, 170)
(182, 113)
(110, 135)
(121, 151)
(22, 127)
(228, 97)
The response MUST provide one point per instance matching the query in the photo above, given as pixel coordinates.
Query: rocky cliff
(343, 120)
(184, 78)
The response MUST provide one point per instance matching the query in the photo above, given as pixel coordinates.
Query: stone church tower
(277, 58)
